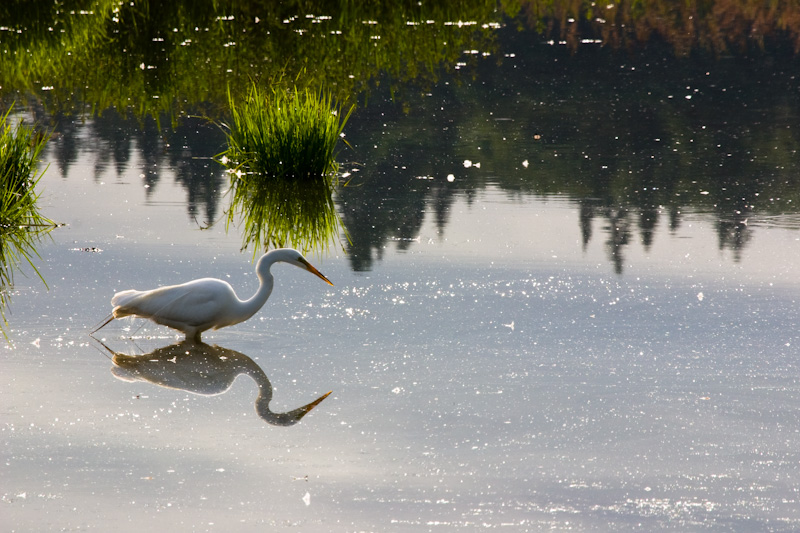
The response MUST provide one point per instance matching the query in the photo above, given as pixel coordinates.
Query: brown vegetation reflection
(717, 25)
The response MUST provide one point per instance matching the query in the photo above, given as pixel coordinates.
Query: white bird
(207, 303)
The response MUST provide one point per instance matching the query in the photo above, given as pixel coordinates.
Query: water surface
(568, 302)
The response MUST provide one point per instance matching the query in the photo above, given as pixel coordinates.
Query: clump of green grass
(291, 134)
(21, 224)
(281, 157)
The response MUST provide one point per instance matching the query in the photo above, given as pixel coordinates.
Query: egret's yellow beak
(314, 271)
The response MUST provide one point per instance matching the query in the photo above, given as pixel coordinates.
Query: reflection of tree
(194, 169)
(618, 233)
(622, 136)
(630, 138)
(113, 144)
(66, 139)
(187, 149)
(404, 179)
(733, 234)
(732, 203)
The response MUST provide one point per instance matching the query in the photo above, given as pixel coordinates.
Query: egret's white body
(203, 304)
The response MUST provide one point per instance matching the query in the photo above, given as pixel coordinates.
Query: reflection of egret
(206, 303)
(203, 369)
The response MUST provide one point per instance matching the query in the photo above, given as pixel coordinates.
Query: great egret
(207, 303)
(206, 370)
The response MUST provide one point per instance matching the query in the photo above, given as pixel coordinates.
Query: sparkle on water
(507, 346)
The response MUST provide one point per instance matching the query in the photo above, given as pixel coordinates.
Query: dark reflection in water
(719, 26)
(276, 212)
(204, 369)
(634, 141)
(116, 142)
(167, 58)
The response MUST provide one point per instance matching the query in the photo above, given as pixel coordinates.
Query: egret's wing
(192, 303)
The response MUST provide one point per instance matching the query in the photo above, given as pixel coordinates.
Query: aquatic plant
(285, 133)
(281, 157)
(21, 224)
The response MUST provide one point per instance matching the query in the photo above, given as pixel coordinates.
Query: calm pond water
(568, 302)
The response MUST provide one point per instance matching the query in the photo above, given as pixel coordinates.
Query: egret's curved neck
(250, 306)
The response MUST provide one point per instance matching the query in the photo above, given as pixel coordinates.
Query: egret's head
(302, 263)
(288, 255)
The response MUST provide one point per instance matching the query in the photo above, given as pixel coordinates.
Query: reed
(21, 223)
(285, 133)
(281, 157)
